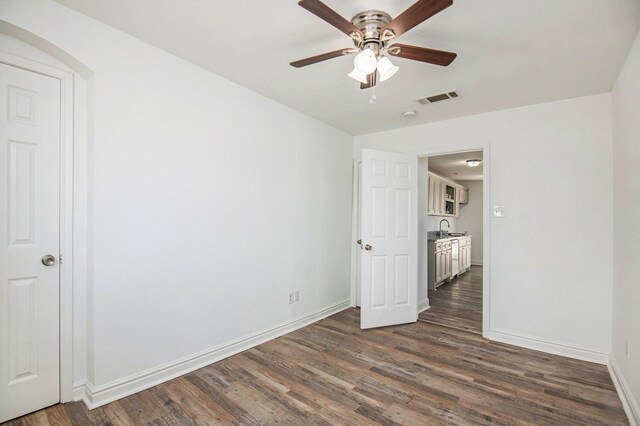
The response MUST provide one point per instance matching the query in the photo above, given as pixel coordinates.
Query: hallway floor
(457, 304)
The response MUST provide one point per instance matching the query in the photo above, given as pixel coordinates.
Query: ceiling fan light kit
(371, 31)
(386, 69)
(359, 76)
(365, 61)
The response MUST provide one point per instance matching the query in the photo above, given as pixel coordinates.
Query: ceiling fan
(371, 32)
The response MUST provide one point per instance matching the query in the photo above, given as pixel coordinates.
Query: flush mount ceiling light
(473, 163)
(371, 32)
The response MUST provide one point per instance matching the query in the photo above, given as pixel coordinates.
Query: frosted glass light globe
(365, 61)
(357, 75)
(386, 68)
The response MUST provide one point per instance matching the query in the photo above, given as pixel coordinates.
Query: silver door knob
(367, 247)
(48, 260)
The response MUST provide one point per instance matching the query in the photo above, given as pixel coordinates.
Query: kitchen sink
(454, 234)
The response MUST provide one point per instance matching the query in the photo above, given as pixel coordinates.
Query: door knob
(359, 242)
(48, 260)
(367, 247)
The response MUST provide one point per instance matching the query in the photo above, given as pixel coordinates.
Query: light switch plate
(499, 211)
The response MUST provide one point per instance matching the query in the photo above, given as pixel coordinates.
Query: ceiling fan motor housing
(371, 23)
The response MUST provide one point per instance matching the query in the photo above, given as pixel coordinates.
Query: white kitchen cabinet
(438, 200)
(463, 195)
(444, 196)
(465, 254)
(439, 262)
(431, 204)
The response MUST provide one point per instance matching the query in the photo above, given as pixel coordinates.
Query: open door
(389, 218)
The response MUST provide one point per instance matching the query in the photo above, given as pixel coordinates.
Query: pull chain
(373, 96)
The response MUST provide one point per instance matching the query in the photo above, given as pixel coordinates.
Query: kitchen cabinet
(440, 258)
(439, 262)
(444, 196)
(465, 254)
(431, 209)
(463, 195)
(436, 203)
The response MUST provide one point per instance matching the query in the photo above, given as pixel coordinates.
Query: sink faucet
(440, 226)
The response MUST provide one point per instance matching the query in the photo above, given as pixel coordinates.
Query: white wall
(626, 248)
(208, 203)
(470, 219)
(550, 259)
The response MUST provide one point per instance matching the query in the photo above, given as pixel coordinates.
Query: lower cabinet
(439, 262)
(465, 254)
(440, 258)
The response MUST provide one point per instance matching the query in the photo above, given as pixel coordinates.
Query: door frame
(425, 151)
(66, 212)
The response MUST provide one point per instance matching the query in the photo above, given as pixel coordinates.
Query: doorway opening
(451, 210)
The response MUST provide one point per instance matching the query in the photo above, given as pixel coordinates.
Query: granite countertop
(435, 236)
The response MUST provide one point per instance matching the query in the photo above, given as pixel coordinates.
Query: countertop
(446, 238)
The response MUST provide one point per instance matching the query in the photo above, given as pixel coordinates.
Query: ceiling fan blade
(324, 12)
(320, 58)
(416, 14)
(422, 54)
(372, 79)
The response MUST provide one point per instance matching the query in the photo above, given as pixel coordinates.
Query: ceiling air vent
(437, 98)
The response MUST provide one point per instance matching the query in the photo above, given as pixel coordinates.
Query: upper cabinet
(445, 196)
(463, 195)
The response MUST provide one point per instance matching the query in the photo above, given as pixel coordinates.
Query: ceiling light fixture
(474, 163)
(386, 68)
(371, 32)
(359, 76)
(365, 61)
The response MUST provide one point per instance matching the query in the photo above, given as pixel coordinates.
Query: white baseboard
(551, 347)
(423, 305)
(96, 396)
(80, 391)
(476, 263)
(624, 392)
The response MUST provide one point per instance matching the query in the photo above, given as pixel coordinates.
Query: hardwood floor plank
(332, 372)
(457, 304)
(57, 416)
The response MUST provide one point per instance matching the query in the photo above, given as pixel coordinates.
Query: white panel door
(29, 230)
(389, 238)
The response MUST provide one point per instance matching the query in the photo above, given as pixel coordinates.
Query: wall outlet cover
(499, 211)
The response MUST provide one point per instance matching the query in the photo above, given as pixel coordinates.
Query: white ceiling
(454, 166)
(510, 52)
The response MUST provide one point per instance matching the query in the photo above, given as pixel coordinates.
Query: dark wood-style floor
(457, 304)
(332, 372)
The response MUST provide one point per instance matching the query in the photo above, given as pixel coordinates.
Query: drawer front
(439, 246)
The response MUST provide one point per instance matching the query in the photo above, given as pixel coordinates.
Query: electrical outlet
(626, 348)
(297, 295)
(292, 298)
